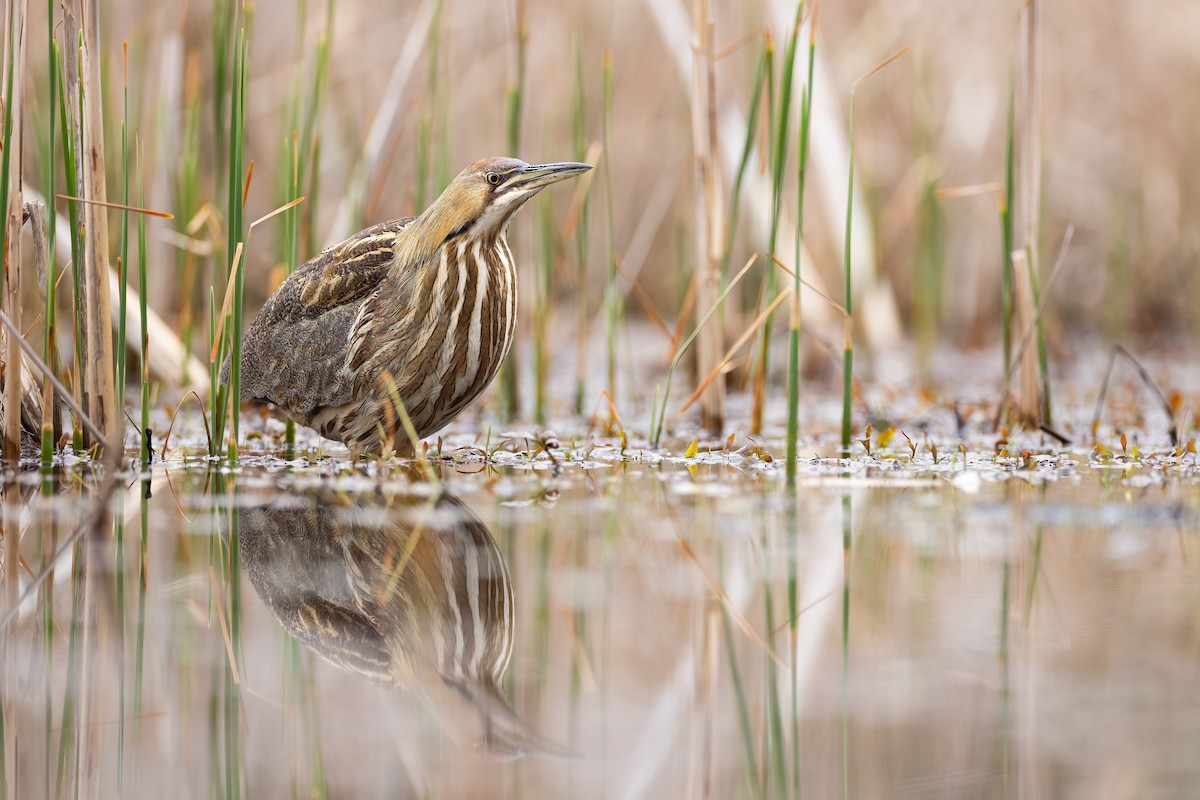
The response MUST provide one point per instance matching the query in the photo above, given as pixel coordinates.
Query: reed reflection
(408, 591)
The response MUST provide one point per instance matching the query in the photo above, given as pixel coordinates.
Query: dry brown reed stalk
(97, 380)
(119, 206)
(1027, 405)
(1028, 327)
(709, 213)
(16, 24)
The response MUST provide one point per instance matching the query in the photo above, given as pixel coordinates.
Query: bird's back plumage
(294, 352)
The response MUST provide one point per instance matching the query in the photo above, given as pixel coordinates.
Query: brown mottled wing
(293, 353)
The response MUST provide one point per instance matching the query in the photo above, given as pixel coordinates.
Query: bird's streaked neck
(422, 237)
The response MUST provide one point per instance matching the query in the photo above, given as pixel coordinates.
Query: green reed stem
(1006, 223)
(793, 420)
(848, 299)
(119, 569)
(508, 385)
(237, 228)
(185, 186)
(73, 187)
(68, 750)
(583, 319)
(778, 161)
(142, 318)
(1005, 687)
(49, 536)
(847, 542)
(140, 645)
(123, 259)
(743, 707)
(773, 746)
(50, 350)
(612, 298)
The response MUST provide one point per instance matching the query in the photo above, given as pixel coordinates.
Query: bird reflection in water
(408, 591)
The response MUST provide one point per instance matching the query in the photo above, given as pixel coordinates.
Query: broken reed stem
(119, 206)
(708, 214)
(1034, 325)
(1026, 361)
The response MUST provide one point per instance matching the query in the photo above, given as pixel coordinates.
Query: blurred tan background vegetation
(1120, 104)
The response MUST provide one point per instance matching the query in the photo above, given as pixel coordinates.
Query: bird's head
(482, 198)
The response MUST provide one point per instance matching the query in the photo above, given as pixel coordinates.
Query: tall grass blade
(582, 316)
(793, 419)
(612, 296)
(778, 161)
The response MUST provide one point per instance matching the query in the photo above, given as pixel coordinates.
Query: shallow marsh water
(982, 626)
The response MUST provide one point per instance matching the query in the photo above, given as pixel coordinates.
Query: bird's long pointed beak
(535, 176)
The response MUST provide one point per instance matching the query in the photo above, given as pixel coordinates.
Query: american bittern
(407, 591)
(419, 310)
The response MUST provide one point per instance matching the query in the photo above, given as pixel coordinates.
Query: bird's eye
(493, 179)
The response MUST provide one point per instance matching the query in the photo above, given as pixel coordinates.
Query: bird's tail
(478, 715)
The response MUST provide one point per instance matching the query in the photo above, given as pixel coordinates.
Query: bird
(414, 314)
(406, 590)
